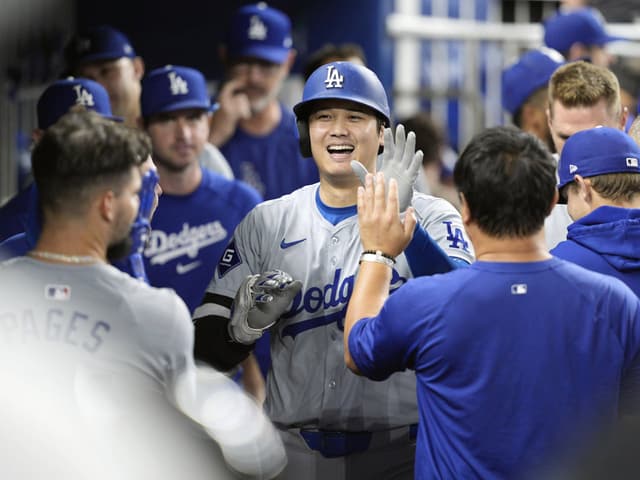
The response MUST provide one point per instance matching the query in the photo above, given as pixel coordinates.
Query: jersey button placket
(334, 241)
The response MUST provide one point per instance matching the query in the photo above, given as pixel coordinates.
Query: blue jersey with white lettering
(309, 384)
(606, 240)
(513, 361)
(272, 163)
(190, 232)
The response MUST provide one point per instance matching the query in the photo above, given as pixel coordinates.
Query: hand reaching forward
(400, 162)
(381, 227)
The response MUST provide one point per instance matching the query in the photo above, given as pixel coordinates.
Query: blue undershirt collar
(334, 215)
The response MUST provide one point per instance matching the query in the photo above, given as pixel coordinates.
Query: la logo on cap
(334, 78)
(83, 97)
(257, 29)
(632, 162)
(177, 84)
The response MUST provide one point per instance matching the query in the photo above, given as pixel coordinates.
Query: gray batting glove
(259, 303)
(400, 161)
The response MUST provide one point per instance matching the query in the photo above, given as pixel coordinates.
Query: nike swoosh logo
(182, 269)
(284, 244)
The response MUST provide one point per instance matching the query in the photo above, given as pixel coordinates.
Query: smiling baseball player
(199, 209)
(334, 424)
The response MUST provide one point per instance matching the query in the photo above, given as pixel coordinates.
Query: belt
(332, 444)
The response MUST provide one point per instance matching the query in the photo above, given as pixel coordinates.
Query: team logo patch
(230, 259)
(57, 292)
(456, 237)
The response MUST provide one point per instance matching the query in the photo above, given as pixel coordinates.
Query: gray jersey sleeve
(240, 259)
(444, 225)
(213, 159)
(177, 345)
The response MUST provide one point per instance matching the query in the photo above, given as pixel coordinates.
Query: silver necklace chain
(61, 257)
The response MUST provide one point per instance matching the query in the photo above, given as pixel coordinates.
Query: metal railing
(471, 76)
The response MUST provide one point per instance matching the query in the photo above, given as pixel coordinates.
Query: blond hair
(615, 187)
(582, 84)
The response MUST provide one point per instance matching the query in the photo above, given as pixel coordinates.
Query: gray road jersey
(116, 350)
(555, 226)
(309, 383)
(118, 330)
(214, 160)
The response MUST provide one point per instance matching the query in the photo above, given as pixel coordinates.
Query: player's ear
(465, 213)
(138, 67)
(291, 58)
(578, 50)
(584, 188)
(623, 118)
(107, 205)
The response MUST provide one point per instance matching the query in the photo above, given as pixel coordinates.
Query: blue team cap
(172, 88)
(531, 72)
(97, 43)
(59, 97)
(261, 32)
(598, 151)
(583, 25)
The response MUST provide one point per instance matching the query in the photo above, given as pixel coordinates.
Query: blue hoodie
(606, 241)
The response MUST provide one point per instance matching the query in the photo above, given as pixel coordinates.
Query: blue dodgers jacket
(607, 241)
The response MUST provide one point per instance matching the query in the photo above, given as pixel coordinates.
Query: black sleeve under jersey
(213, 345)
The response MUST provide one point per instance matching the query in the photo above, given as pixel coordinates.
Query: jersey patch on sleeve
(230, 259)
(455, 237)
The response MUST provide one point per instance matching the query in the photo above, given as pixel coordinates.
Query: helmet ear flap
(305, 141)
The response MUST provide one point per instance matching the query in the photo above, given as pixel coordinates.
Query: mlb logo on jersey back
(57, 292)
(177, 84)
(334, 77)
(519, 289)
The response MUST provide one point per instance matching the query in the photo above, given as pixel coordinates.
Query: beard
(259, 104)
(119, 250)
(168, 165)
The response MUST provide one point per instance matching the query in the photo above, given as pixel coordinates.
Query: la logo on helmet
(334, 78)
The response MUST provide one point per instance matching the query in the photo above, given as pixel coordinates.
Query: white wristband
(377, 258)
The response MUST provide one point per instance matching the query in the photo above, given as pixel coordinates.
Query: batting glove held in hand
(259, 303)
(400, 161)
(141, 225)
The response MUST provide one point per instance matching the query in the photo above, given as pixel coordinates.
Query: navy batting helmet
(340, 81)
